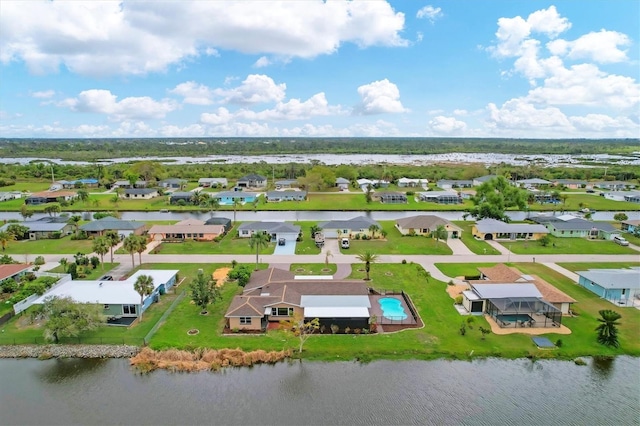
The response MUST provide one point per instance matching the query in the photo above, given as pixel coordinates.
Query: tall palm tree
(213, 204)
(5, 238)
(236, 203)
(75, 222)
(373, 229)
(112, 239)
(144, 287)
(440, 233)
(141, 247)
(368, 258)
(259, 240)
(607, 330)
(130, 244)
(101, 247)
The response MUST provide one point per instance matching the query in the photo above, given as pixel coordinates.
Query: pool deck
(377, 310)
(534, 331)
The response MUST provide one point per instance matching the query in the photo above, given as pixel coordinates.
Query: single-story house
(501, 274)
(189, 229)
(619, 286)
(569, 226)
(389, 197)
(482, 179)
(630, 225)
(172, 183)
(467, 194)
(277, 196)
(348, 228)
(10, 195)
(45, 197)
(13, 271)
(273, 295)
(629, 196)
(572, 183)
(454, 183)
(404, 182)
(440, 197)
(178, 196)
(375, 183)
(127, 184)
(492, 229)
(425, 225)
(139, 193)
(44, 229)
(532, 183)
(276, 230)
(287, 184)
(252, 181)
(124, 228)
(342, 183)
(615, 185)
(213, 182)
(71, 184)
(226, 198)
(225, 222)
(117, 298)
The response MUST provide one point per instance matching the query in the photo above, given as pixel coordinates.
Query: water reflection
(68, 369)
(602, 367)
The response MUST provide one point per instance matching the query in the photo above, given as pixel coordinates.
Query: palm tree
(75, 222)
(373, 229)
(5, 238)
(141, 247)
(259, 240)
(213, 204)
(236, 203)
(440, 233)
(83, 195)
(607, 330)
(144, 287)
(112, 239)
(368, 258)
(101, 247)
(130, 244)
(327, 255)
(423, 273)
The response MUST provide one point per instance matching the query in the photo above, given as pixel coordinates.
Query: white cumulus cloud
(193, 93)
(379, 97)
(429, 12)
(601, 47)
(256, 88)
(446, 125)
(104, 102)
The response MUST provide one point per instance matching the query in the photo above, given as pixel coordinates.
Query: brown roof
(550, 293)
(7, 271)
(56, 194)
(425, 221)
(187, 229)
(265, 276)
(248, 306)
(501, 272)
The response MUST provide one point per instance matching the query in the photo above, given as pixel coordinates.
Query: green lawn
(307, 245)
(454, 270)
(568, 246)
(396, 243)
(313, 268)
(583, 266)
(92, 274)
(476, 246)
(63, 245)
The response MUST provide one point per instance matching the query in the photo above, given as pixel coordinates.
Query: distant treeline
(93, 149)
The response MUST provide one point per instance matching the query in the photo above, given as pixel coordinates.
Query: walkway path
(458, 247)
(567, 273)
(496, 245)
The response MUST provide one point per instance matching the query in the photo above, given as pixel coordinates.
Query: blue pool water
(514, 317)
(392, 308)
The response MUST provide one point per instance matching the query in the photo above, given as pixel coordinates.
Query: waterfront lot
(63, 245)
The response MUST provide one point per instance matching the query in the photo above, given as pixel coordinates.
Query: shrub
(334, 328)
(347, 330)
(9, 286)
(463, 329)
(357, 331)
(404, 261)
(242, 274)
(56, 235)
(39, 261)
(450, 282)
(559, 343)
(579, 361)
(458, 299)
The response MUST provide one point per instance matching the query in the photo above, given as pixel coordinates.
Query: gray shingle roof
(360, 222)
(613, 278)
(493, 225)
(111, 223)
(582, 225)
(424, 221)
(269, 227)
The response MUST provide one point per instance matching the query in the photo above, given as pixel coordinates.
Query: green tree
(608, 330)
(52, 209)
(236, 203)
(112, 239)
(368, 258)
(300, 328)
(75, 222)
(258, 241)
(314, 230)
(544, 241)
(203, 291)
(620, 217)
(101, 247)
(494, 197)
(83, 195)
(144, 287)
(5, 238)
(130, 244)
(368, 195)
(25, 212)
(66, 318)
(141, 246)
(423, 273)
(213, 204)
(18, 231)
(373, 228)
(440, 233)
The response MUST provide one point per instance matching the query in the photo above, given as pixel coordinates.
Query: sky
(307, 68)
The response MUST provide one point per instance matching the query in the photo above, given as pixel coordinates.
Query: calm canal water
(482, 392)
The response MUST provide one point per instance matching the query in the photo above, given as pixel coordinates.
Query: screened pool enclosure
(523, 312)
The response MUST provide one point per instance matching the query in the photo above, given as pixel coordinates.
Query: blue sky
(521, 69)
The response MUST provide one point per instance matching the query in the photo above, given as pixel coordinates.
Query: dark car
(106, 278)
(282, 242)
(590, 191)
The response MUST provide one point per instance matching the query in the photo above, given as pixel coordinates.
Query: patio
(523, 312)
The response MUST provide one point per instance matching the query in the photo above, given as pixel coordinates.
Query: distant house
(45, 229)
(278, 196)
(569, 226)
(440, 197)
(13, 271)
(343, 184)
(98, 227)
(286, 184)
(172, 183)
(572, 183)
(213, 182)
(186, 197)
(630, 225)
(226, 223)
(252, 181)
(425, 225)
(227, 198)
(349, 228)
(71, 184)
(276, 230)
(390, 197)
(190, 229)
(45, 197)
(482, 179)
(126, 184)
(532, 183)
(619, 286)
(118, 299)
(615, 185)
(412, 183)
(139, 193)
(11, 195)
(450, 184)
(629, 196)
(492, 229)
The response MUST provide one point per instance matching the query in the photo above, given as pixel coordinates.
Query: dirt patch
(220, 276)
(456, 289)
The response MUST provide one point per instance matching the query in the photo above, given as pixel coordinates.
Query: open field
(567, 246)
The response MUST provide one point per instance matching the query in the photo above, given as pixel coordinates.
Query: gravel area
(68, 351)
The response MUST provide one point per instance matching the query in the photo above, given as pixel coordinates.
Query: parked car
(590, 191)
(106, 278)
(282, 242)
(344, 243)
(620, 240)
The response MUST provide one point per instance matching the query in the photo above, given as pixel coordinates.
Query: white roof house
(343, 306)
(501, 291)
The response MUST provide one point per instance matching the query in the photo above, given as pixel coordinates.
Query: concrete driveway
(289, 248)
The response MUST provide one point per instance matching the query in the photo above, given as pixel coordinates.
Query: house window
(282, 312)
(245, 320)
(129, 309)
(624, 291)
(106, 307)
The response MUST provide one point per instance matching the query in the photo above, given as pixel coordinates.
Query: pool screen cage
(512, 311)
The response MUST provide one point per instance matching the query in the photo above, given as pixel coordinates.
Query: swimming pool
(514, 317)
(392, 309)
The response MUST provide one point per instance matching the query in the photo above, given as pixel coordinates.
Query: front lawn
(308, 244)
(64, 245)
(396, 243)
(454, 270)
(91, 274)
(473, 244)
(583, 266)
(230, 244)
(567, 246)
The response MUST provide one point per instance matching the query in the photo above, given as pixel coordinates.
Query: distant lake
(482, 392)
(362, 159)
